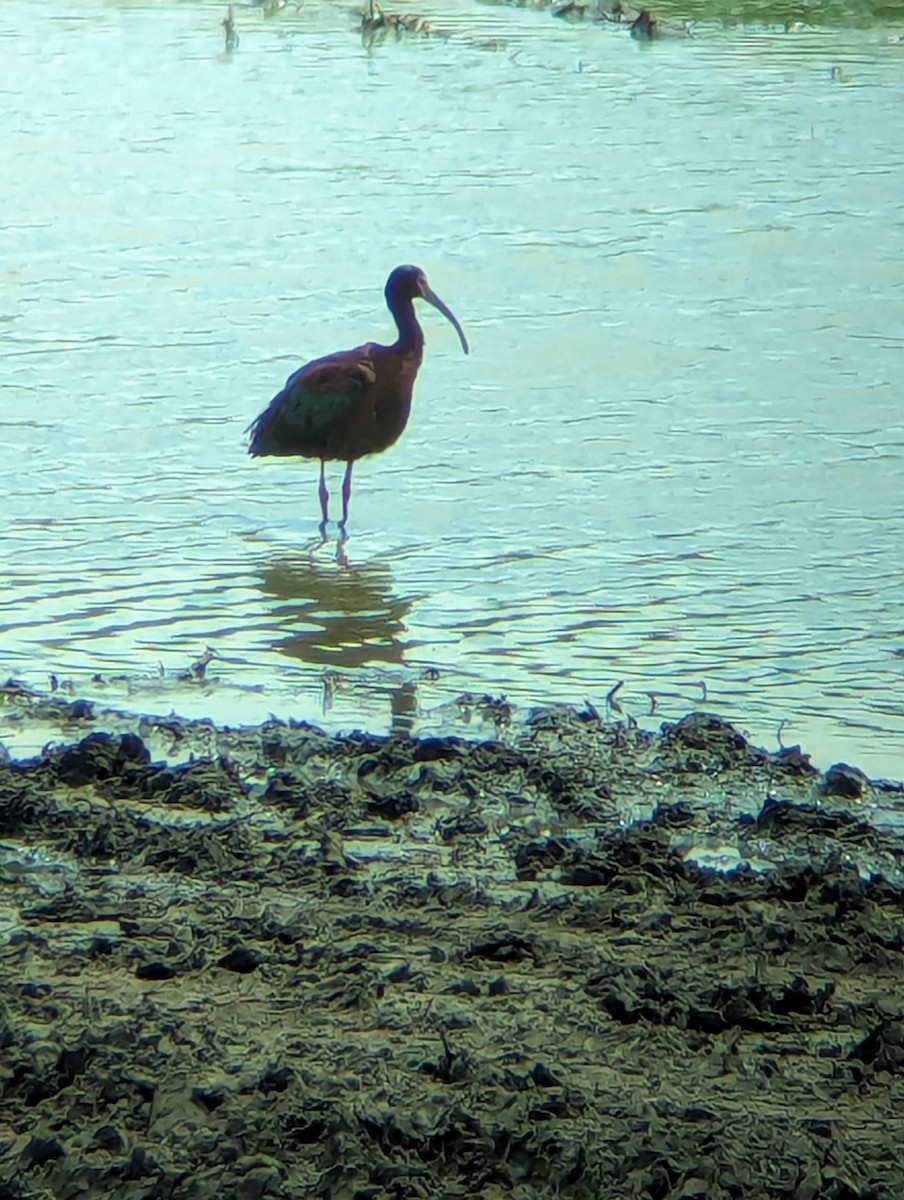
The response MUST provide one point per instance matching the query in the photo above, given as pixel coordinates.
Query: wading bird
(354, 402)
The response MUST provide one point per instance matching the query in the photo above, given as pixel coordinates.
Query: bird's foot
(312, 545)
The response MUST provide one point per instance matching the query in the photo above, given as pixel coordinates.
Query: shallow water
(675, 456)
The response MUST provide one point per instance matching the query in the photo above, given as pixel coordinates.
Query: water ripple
(675, 455)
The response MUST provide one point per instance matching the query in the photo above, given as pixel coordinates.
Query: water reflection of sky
(676, 453)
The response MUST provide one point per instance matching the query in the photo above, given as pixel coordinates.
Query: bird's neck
(411, 336)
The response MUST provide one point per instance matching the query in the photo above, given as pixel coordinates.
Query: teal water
(675, 456)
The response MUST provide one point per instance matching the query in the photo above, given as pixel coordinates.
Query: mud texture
(582, 961)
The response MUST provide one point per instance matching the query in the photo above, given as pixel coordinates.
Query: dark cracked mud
(587, 962)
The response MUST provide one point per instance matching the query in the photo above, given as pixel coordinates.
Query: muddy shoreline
(581, 960)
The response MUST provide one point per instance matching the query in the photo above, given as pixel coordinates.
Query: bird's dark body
(355, 402)
(343, 406)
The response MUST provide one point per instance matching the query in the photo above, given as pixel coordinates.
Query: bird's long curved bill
(431, 297)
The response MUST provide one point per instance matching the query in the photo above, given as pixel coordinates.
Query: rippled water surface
(675, 456)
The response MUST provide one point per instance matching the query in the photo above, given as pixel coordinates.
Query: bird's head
(406, 283)
(409, 283)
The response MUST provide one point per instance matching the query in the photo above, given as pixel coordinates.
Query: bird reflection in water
(349, 623)
(230, 32)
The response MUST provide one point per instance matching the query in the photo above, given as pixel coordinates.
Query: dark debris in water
(377, 23)
(301, 965)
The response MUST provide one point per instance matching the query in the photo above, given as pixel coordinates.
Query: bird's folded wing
(334, 375)
(322, 393)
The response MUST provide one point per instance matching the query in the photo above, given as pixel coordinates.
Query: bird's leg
(346, 492)
(324, 500)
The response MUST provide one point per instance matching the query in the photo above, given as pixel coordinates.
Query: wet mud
(582, 960)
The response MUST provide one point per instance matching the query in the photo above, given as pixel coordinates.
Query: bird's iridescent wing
(310, 411)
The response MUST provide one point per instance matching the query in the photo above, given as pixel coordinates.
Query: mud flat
(581, 960)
